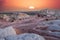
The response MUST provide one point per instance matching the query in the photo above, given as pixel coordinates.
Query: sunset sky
(28, 4)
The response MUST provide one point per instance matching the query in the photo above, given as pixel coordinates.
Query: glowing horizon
(25, 4)
(31, 7)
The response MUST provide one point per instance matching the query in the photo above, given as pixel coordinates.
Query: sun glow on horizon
(31, 7)
(29, 4)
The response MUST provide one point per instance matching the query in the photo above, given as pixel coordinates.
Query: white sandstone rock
(23, 16)
(2, 39)
(8, 31)
(26, 36)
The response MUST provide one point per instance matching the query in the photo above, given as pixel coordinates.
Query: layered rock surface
(48, 26)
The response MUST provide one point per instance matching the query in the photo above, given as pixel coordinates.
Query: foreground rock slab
(26, 36)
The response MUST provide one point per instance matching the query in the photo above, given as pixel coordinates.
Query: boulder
(26, 36)
(7, 32)
(2, 39)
